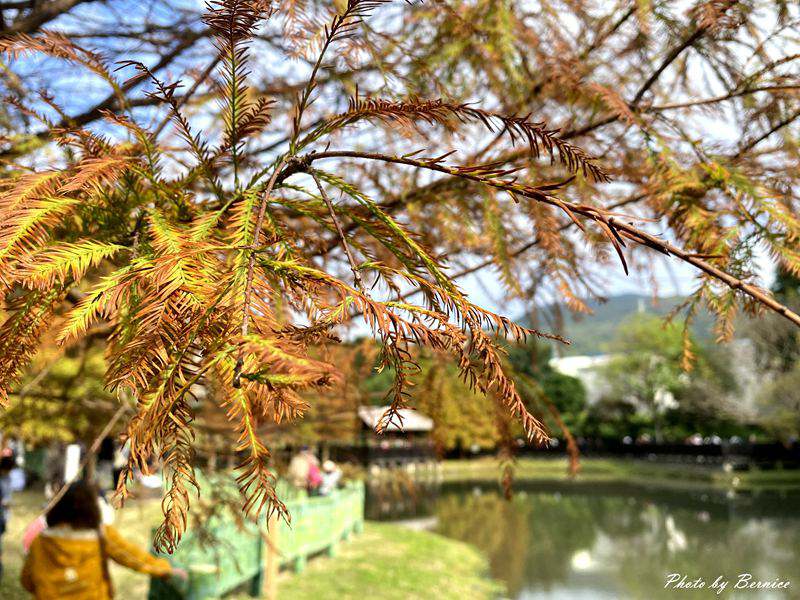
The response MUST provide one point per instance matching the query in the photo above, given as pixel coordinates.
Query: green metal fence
(236, 557)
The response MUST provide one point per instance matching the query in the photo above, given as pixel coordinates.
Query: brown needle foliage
(224, 256)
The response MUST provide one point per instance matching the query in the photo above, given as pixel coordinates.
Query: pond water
(575, 541)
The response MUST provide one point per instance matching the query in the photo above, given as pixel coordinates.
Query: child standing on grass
(69, 559)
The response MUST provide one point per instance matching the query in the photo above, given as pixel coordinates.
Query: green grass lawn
(390, 562)
(385, 561)
(601, 469)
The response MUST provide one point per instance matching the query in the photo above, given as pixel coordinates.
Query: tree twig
(722, 98)
(248, 287)
(189, 93)
(332, 211)
(735, 283)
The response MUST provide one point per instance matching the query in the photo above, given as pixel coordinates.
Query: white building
(584, 368)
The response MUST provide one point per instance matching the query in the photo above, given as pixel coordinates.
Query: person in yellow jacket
(69, 559)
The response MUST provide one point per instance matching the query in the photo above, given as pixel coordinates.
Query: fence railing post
(269, 580)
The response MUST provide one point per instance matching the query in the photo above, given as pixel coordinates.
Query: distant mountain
(590, 333)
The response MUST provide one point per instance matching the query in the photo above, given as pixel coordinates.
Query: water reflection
(572, 541)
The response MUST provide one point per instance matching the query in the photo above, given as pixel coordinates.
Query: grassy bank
(633, 471)
(391, 562)
(385, 561)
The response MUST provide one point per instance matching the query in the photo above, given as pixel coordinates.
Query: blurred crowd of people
(305, 473)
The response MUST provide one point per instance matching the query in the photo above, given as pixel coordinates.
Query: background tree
(63, 398)
(461, 421)
(332, 416)
(646, 369)
(231, 255)
(531, 364)
(779, 404)
(777, 351)
(647, 372)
